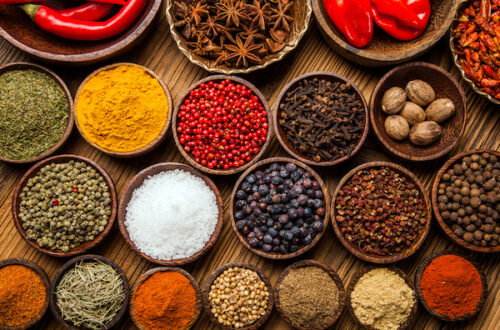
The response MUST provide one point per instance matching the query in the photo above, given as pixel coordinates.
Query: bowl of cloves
(321, 118)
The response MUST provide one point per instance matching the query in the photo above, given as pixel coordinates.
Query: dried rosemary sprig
(90, 294)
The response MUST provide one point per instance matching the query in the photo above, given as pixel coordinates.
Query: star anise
(280, 17)
(259, 13)
(243, 52)
(250, 32)
(211, 28)
(232, 11)
(196, 13)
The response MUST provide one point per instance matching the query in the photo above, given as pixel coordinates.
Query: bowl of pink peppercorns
(222, 124)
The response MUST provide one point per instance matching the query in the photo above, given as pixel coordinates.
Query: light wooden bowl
(434, 195)
(150, 146)
(153, 271)
(302, 249)
(335, 277)
(19, 30)
(444, 85)
(385, 50)
(372, 257)
(40, 272)
(354, 281)
(137, 181)
(281, 134)
(230, 171)
(440, 316)
(69, 126)
(16, 201)
(70, 264)
(208, 283)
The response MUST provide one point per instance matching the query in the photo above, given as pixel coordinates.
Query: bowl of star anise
(237, 36)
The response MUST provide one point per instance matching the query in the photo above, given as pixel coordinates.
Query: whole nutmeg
(393, 100)
(397, 127)
(420, 92)
(425, 133)
(413, 113)
(440, 110)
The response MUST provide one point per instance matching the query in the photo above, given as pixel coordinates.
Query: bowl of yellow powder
(123, 109)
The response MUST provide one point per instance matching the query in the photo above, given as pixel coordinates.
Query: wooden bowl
(147, 275)
(18, 29)
(16, 201)
(354, 281)
(372, 257)
(262, 100)
(444, 226)
(281, 134)
(137, 181)
(335, 277)
(29, 66)
(301, 11)
(208, 283)
(68, 265)
(440, 316)
(385, 50)
(444, 85)
(150, 146)
(40, 272)
(274, 255)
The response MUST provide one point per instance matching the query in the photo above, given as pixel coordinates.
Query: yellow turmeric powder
(122, 109)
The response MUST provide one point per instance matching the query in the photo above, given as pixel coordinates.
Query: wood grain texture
(160, 54)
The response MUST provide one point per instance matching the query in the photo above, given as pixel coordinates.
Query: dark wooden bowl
(434, 195)
(372, 257)
(444, 85)
(69, 264)
(150, 146)
(354, 281)
(29, 66)
(16, 201)
(18, 29)
(208, 283)
(40, 272)
(137, 181)
(262, 100)
(385, 50)
(440, 316)
(335, 277)
(281, 134)
(147, 275)
(302, 249)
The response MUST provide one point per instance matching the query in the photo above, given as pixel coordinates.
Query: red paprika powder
(451, 285)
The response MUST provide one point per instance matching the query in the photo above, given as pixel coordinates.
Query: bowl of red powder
(451, 286)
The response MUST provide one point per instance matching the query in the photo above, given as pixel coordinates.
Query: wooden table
(160, 54)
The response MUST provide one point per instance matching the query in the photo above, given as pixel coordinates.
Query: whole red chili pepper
(50, 21)
(353, 19)
(91, 11)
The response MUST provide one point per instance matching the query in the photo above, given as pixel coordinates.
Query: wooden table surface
(159, 53)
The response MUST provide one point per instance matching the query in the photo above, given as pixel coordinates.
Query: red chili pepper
(55, 202)
(75, 189)
(402, 19)
(50, 21)
(91, 11)
(353, 19)
(19, 2)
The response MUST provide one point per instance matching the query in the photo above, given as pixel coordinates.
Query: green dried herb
(33, 113)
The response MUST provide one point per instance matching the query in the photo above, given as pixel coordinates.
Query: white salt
(171, 215)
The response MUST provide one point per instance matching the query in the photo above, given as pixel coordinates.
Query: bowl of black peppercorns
(466, 199)
(279, 208)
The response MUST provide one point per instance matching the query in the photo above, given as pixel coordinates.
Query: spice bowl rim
(65, 267)
(70, 121)
(205, 290)
(262, 100)
(16, 200)
(148, 147)
(302, 249)
(333, 275)
(418, 276)
(282, 138)
(434, 189)
(45, 280)
(374, 258)
(146, 275)
(137, 180)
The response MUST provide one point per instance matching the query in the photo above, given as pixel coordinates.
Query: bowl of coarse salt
(170, 214)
